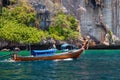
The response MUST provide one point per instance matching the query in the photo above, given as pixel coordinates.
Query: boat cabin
(67, 47)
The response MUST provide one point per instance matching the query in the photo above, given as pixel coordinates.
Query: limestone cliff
(87, 13)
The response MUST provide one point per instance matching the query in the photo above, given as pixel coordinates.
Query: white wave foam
(69, 59)
(7, 60)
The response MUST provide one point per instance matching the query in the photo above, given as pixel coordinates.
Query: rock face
(88, 14)
(88, 18)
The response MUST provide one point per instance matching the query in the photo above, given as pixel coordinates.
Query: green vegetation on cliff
(17, 24)
(64, 27)
(20, 33)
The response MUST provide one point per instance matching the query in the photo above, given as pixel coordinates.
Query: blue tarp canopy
(38, 52)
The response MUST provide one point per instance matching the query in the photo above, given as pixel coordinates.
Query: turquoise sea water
(92, 65)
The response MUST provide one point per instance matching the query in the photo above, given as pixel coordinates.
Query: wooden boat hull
(65, 55)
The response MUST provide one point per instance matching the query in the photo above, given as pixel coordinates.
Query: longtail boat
(52, 55)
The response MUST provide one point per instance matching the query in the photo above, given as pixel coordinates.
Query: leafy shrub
(20, 33)
(65, 26)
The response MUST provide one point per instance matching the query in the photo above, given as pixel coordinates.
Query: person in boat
(53, 44)
(16, 50)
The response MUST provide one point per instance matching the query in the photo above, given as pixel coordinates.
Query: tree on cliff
(17, 25)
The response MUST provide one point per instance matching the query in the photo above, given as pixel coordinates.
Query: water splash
(69, 59)
(7, 60)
